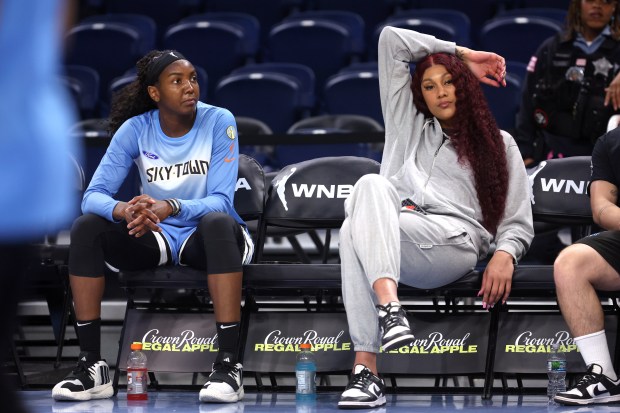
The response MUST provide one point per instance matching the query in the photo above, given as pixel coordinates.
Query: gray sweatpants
(377, 240)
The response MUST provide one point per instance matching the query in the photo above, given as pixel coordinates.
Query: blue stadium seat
(327, 124)
(352, 21)
(86, 80)
(144, 25)
(517, 69)
(164, 12)
(557, 15)
(353, 93)
(372, 66)
(436, 28)
(268, 12)
(323, 46)
(501, 35)
(303, 74)
(458, 20)
(109, 48)
(270, 97)
(504, 102)
(372, 11)
(246, 22)
(478, 11)
(217, 47)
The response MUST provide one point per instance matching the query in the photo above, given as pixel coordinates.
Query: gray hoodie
(423, 165)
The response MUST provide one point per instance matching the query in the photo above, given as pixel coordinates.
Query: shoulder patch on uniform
(230, 131)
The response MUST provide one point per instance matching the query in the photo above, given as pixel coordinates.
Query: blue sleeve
(222, 177)
(111, 172)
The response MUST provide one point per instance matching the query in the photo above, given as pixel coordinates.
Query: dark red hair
(477, 138)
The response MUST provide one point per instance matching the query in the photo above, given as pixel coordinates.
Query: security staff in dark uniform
(572, 87)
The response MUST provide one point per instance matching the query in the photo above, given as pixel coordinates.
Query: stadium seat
(353, 93)
(165, 13)
(557, 15)
(504, 102)
(109, 48)
(268, 12)
(303, 74)
(437, 28)
(270, 97)
(371, 11)
(323, 46)
(141, 23)
(217, 47)
(248, 24)
(500, 35)
(478, 11)
(327, 124)
(352, 21)
(86, 80)
(517, 69)
(458, 20)
(262, 153)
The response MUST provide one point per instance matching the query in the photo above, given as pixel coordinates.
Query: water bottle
(305, 372)
(136, 373)
(556, 371)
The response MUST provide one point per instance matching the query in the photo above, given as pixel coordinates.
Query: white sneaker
(89, 380)
(225, 384)
(395, 328)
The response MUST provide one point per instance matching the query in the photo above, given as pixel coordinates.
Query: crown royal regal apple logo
(276, 341)
(436, 343)
(187, 341)
(527, 343)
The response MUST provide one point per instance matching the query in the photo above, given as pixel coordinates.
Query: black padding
(314, 191)
(559, 191)
(250, 192)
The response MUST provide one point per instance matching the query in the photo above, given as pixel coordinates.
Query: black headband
(159, 64)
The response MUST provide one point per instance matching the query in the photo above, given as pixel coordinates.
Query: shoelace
(230, 369)
(391, 319)
(81, 369)
(589, 378)
(360, 380)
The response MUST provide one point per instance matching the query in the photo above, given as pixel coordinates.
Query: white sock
(593, 348)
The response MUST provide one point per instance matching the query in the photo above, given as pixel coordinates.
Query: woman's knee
(372, 182)
(87, 225)
(216, 223)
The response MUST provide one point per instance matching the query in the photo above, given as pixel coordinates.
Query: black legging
(216, 246)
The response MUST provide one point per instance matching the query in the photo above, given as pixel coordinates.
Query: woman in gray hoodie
(451, 182)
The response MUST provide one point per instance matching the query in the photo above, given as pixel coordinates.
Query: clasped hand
(143, 214)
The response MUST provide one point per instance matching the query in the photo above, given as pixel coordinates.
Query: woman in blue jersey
(187, 155)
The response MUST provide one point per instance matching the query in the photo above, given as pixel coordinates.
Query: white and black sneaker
(89, 380)
(593, 388)
(365, 390)
(225, 384)
(395, 328)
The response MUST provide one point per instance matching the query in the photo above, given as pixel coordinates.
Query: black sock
(89, 335)
(228, 340)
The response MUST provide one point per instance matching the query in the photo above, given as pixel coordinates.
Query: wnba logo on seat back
(306, 190)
